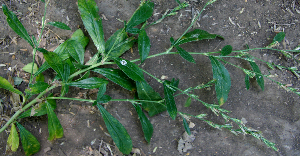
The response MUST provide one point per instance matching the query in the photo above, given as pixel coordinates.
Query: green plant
(67, 61)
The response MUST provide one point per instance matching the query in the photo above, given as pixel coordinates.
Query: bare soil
(274, 111)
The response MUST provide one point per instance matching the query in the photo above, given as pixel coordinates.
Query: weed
(67, 60)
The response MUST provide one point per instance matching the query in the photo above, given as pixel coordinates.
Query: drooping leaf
(117, 131)
(117, 76)
(170, 102)
(54, 127)
(247, 81)
(38, 87)
(29, 143)
(118, 44)
(188, 102)
(16, 25)
(130, 69)
(259, 77)
(93, 24)
(89, 83)
(144, 12)
(146, 124)
(59, 25)
(186, 126)
(13, 139)
(28, 67)
(226, 50)
(143, 45)
(6, 85)
(196, 35)
(184, 54)
(145, 92)
(223, 84)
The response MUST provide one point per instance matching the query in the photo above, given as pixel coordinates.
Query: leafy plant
(67, 60)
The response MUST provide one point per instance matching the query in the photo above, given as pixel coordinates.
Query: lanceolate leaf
(117, 132)
(117, 76)
(60, 25)
(54, 127)
(29, 143)
(186, 126)
(247, 81)
(196, 35)
(130, 69)
(93, 24)
(170, 102)
(6, 85)
(188, 102)
(13, 139)
(184, 54)
(143, 45)
(146, 124)
(75, 49)
(223, 83)
(89, 83)
(141, 14)
(16, 25)
(259, 77)
(118, 44)
(55, 63)
(145, 92)
(226, 50)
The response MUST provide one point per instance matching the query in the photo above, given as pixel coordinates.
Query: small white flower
(123, 62)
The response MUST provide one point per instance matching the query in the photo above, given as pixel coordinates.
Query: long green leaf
(145, 92)
(59, 25)
(186, 126)
(29, 143)
(170, 102)
(247, 81)
(140, 15)
(196, 35)
(6, 85)
(13, 139)
(223, 83)
(118, 44)
(117, 76)
(143, 45)
(117, 131)
(93, 24)
(146, 124)
(184, 54)
(16, 25)
(130, 69)
(54, 127)
(63, 49)
(259, 77)
(89, 83)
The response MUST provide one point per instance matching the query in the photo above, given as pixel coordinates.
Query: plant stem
(38, 42)
(14, 117)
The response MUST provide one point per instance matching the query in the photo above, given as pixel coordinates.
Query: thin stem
(14, 117)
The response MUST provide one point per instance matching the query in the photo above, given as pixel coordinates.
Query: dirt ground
(273, 111)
